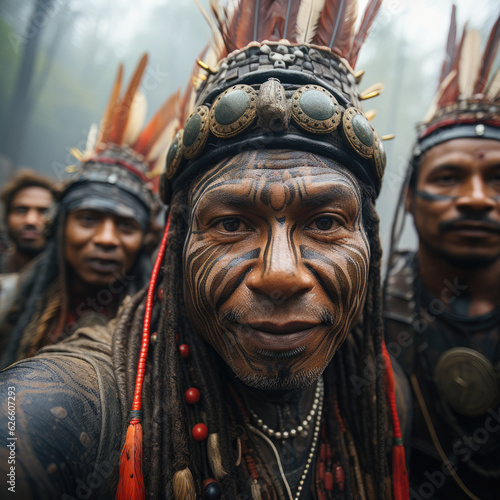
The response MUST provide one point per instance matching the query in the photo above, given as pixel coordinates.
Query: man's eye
(324, 223)
(231, 224)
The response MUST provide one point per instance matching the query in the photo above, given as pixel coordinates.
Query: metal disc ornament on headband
(174, 155)
(195, 132)
(233, 111)
(315, 109)
(359, 132)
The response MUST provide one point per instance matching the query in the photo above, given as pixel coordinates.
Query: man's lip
(276, 337)
(474, 228)
(281, 328)
(102, 265)
(28, 234)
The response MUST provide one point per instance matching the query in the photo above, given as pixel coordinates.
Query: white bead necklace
(300, 430)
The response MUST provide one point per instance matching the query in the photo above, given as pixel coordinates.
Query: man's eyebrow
(225, 197)
(334, 194)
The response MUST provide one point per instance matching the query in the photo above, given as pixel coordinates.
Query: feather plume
(122, 114)
(364, 28)
(292, 13)
(183, 485)
(438, 98)
(470, 59)
(156, 126)
(109, 113)
(217, 40)
(137, 115)
(451, 43)
(336, 25)
(488, 58)
(307, 20)
(91, 139)
(493, 91)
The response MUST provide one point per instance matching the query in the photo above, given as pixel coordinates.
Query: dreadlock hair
(168, 449)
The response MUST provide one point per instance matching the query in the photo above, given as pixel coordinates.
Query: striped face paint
(275, 264)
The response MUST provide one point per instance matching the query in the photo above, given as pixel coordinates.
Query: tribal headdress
(119, 170)
(279, 76)
(467, 102)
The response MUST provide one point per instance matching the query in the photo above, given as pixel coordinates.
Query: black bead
(212, 491)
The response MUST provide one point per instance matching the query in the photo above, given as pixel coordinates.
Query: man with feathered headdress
(442, 305)
(254, 366)
(102, 234)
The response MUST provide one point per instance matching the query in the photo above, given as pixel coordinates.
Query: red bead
(200, 432)
(340, 477)
(160, 294)
(184, 350)
(328, 481)
(321, 471)
(192, 396)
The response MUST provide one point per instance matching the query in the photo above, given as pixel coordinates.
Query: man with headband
(102, 238)
(254, 366)
(443, 303)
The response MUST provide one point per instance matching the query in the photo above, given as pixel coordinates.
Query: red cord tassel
(131, 481)
(400, 482)
(131, 484)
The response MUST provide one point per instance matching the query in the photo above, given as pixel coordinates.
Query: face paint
(456, 201)
(275, 264)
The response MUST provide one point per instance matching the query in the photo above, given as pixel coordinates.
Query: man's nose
(475, 196)
(106, 234)
(280, 273)
(33, 217)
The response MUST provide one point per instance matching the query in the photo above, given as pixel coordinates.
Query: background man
(443, 304)
(26, 201)
(263, 310)
(102, 235)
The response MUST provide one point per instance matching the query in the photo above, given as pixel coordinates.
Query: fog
(77, 45)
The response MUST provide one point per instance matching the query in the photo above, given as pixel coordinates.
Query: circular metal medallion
(195, 133)
(174, 155)
(359, 132)
(467, 381)
(233, 111)
(379, 156)
(315, 109)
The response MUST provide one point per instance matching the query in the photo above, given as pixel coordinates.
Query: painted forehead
(270, 166)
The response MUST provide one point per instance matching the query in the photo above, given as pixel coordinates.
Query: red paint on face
(457, 212)
(100, 247)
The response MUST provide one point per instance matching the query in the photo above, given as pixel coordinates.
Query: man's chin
(30, 250)
(288, 383)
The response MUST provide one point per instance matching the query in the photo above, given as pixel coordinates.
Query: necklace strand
(302, 429)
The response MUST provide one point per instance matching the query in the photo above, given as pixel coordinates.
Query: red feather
(108, 116)
(155, 128)
(450, 46)
(370, 13)
(123, 109)
(336, 25)
(488, 58)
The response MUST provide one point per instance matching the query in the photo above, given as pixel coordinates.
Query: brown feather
(451, 43)
(364, 28)
(109, 113)
(122, 114)
(450, 91)
(336, 25)
(154, 129)
(438, 98)
(470, 59)
(493, 91)
(488, 57)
